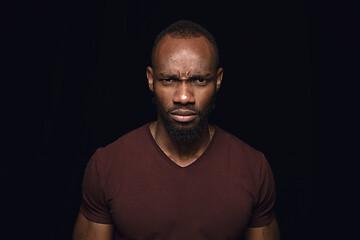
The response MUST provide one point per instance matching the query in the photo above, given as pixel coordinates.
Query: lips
(183, 116)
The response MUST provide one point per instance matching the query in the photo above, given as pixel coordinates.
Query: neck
(182, 154)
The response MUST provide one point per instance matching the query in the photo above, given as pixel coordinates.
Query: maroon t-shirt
(132, 184)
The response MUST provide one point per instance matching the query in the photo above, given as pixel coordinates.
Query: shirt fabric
(132, 184)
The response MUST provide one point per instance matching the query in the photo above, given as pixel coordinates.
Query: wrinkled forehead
(192, 54)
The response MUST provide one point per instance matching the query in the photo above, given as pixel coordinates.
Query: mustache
(184, 107)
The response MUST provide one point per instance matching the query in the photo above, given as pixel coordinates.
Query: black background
(78, 75)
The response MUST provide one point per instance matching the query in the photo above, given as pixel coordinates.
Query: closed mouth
(183, 116)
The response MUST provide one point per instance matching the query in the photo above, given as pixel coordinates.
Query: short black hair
(186, 29)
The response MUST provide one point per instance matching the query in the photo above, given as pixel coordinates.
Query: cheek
(204, 97)
(163, 98)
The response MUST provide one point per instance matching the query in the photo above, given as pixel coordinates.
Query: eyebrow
(176, 76)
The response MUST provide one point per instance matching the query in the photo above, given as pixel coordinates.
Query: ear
(219, 77)
(150, 78)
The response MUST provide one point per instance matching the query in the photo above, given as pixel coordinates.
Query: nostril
(183, 94)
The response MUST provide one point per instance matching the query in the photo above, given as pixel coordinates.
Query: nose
(184, 94)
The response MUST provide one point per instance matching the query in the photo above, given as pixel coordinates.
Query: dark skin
(183, 73)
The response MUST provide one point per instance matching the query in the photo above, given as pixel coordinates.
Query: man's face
(184, 80)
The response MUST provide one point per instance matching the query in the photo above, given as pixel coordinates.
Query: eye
(200, 81)
(167, 81)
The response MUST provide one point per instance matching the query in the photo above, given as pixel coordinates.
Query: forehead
(197, 53)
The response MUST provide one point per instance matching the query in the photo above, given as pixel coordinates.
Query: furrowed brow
(191, 76)
(204, 76)
(166, 75)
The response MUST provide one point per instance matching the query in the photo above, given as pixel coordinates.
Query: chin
(184, 133)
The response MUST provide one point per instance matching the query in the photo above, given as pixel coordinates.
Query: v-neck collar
(171, 162)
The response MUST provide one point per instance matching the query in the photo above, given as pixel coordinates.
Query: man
(179, 177)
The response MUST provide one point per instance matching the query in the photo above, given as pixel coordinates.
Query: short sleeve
(263, 212)
(94, 205)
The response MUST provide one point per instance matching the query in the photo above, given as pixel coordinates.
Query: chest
(161, 204)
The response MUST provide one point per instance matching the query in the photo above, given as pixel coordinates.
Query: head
(184, 79)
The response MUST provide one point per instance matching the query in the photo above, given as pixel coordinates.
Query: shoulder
(129, 141)
(248, 163)
(238, 146)
(240, 154)
(125, 147)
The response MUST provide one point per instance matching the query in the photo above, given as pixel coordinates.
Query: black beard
(184, 135)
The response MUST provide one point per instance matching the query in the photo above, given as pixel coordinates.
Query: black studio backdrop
(86, 87)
